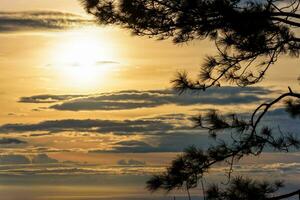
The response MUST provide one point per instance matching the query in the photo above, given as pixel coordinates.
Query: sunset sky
(87, 111)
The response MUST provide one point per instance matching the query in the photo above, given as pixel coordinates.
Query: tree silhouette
(249, 37)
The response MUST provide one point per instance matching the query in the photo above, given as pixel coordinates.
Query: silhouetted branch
(191, 166)
(249, 37)
(244, 189)
(286, 195)
(246, 32)
(267, 106)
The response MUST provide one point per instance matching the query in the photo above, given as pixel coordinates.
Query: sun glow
(85, 60)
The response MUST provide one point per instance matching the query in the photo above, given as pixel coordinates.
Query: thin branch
(286, 195)
(292, 23)
(286, 14)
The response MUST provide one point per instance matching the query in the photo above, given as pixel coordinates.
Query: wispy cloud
(164, 142)
(43, 158)
(288, 168)
(40, 20)
(162, 133)
(8, 141)
(48, 98)
(131, 146)
(131, 162)
(145, 126)
(44, 165)
(105, 62)
(12, 159)
(133, 99)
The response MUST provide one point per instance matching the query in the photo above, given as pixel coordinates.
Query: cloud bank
(12, 159)
(8, 141)
(163, 133)
(133, 99)
(146, 126)
(131, 162)
(18, 165)
(39, 20)
(48, 98)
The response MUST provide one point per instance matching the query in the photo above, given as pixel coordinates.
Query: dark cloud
(165, 133)
(134, 99)
(132, 146)
(47, 98)
(16, 114)
(11, 141)
(176, 140)
(43, 158)
(144, 99)
(147, 126)
(131, 162)
(12, 159)
(173, 142)
(39, 20)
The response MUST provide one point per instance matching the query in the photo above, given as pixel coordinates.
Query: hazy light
(84, 60)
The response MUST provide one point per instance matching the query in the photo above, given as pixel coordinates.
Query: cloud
(131, 162)
(287, 168)
(47, 98)
(99, 63)
(147, 126)
(105, 62)
(42, 159)
(131, 146)
(69, 169)
(39, 20)
(134, 99)
(161, 143)
(18, 165)
(12, 159)
(177, 139)
(8, 141)
(162, 133)
(174, 142)
(16, 114)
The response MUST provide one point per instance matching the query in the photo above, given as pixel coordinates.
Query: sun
(84, 59)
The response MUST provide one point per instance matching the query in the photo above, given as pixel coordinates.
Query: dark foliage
(184, 171)
(249, 36)
(243, 189)
(293, 107)
(247, 139)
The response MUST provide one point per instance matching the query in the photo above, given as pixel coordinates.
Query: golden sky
(79, 98)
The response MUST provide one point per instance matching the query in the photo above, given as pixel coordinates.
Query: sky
(87, 111)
